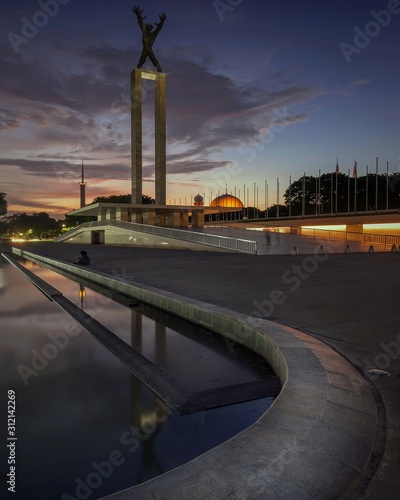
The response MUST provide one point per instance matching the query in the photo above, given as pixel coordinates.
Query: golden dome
(226, 200)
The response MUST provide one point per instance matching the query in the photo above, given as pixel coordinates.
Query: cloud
(350, 87)
(63, 170)
(8, 119)
(77, 99)
(359, 82)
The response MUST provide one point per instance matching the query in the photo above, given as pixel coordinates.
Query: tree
(3, 204)
(3, 211)
(3, 229)
(114, 198)
(273, 211)
(339, 193)
(38, 225)
(122, 198)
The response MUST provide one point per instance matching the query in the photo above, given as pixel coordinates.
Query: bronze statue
(149, 37)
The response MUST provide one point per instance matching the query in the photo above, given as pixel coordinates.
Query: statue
(149, 37)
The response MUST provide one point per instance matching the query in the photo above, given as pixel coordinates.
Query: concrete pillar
(137, 217)
(197, 218)
(174, 219)
(149, 218)
(102, 214)
(160, 134)
(160, 139)
(136, 135)
(123, 214)
(184, 222)
(110, 214)
(161, 219)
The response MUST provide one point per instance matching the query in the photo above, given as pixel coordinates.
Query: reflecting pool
(85, 426)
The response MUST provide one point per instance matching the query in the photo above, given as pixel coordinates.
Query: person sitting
(83, 258)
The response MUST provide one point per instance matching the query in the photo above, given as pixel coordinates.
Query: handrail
(330, 234)
(225, 242)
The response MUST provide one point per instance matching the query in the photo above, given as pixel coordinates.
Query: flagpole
(336, 184)
(348, 193)
(316, 195)
(319, 191)
(257, 202)
(387, 185)
(366, 192)
(336, 193)
(277, 197)
(376, 186)
(265, 198)
(355, 185)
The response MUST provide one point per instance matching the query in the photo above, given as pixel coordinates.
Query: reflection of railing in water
(329, 234)
(237, 245)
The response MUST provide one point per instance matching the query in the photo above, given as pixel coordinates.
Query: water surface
(85, 425)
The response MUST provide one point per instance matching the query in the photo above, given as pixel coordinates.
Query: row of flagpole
(318, 204)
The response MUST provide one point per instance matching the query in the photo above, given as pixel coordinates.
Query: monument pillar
(136, 135)
(160, 134)
(160, 139)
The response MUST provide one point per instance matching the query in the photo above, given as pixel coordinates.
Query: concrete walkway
(348, 301)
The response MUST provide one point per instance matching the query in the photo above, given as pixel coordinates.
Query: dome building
(228, 201)
(198, 200)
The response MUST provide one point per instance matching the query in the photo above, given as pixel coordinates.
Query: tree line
(41, 226)
(329, 193)
(339, 193)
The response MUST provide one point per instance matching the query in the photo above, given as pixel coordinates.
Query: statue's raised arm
(159, 25)
(140, 18)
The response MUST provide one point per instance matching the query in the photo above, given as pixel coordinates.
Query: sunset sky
(255, 91)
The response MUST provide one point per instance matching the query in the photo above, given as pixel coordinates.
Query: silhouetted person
(148, 37)
(83, 258)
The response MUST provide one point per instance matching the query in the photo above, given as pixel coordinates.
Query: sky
(256, 92)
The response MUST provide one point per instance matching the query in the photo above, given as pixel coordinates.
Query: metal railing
(224, 242)
(329, 234)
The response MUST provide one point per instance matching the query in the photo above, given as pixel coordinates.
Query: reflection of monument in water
(146, 413)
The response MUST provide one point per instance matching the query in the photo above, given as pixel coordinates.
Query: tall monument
(148, 38)
(82, 186)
